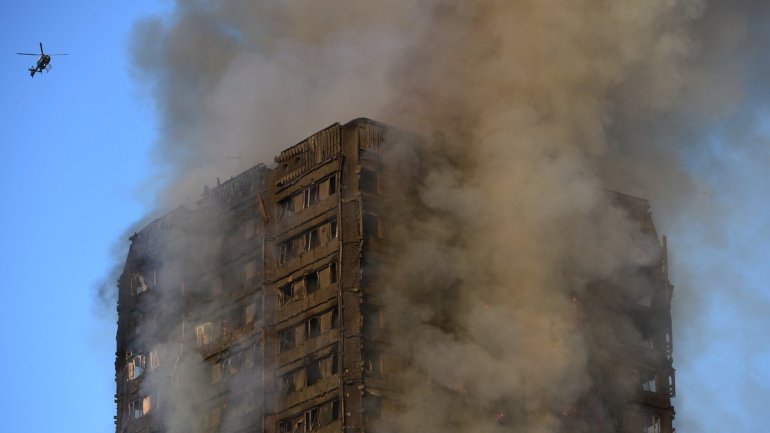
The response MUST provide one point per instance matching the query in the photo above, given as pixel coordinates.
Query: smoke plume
(533, 109)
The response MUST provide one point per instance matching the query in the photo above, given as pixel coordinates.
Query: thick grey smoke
(542, 106)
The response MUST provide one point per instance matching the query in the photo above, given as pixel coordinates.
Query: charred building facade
(258, 311)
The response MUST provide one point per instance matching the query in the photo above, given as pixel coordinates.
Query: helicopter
(42, 61)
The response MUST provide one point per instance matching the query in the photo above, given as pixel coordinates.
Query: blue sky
(75, 149)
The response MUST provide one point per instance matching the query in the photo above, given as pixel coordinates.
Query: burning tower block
(262, 309)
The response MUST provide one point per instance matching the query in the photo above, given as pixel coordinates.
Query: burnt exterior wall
(265, 296)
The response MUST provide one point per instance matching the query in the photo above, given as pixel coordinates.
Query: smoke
(542, 106)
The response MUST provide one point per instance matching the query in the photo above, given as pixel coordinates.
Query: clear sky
(75, 149)
(74, 146)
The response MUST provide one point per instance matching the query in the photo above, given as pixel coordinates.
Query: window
(373, 226)
(648, 341)
(649, 381)
(327, 275)
(286, 340)
(651, 423)
(671, 385)
(285, 294)
(289, 382)
(335, 319)
(311, 282)
(140, 408)
(135, 367)
(285, 252)
(313, 372)
(285, 426)
(203, 334)
(327, 187)
(310, 196)
(286, 208)
(311, 239)
(313, 327)
(137, 284)
(311, 419)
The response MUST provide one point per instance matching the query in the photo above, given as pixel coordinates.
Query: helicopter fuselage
(42, 62)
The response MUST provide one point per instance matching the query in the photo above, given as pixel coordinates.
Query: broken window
(135, 367)
(203, 334)
(286, 208)
(313, 372)
(369, 182)
(311, 282)
(327, 412)
(298, 289)
(651, 423)
(321, 369)
(285, 426)
(291, 382)
(649, 381)
(138, 284)
(285, 294)
(311, 420)
(312, 327)
(286, 340)
(140, 407)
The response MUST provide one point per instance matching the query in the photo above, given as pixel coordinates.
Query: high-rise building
(255, 311)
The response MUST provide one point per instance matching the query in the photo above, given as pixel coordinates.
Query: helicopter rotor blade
(41, 48)
(59, 54)
(28, 54)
